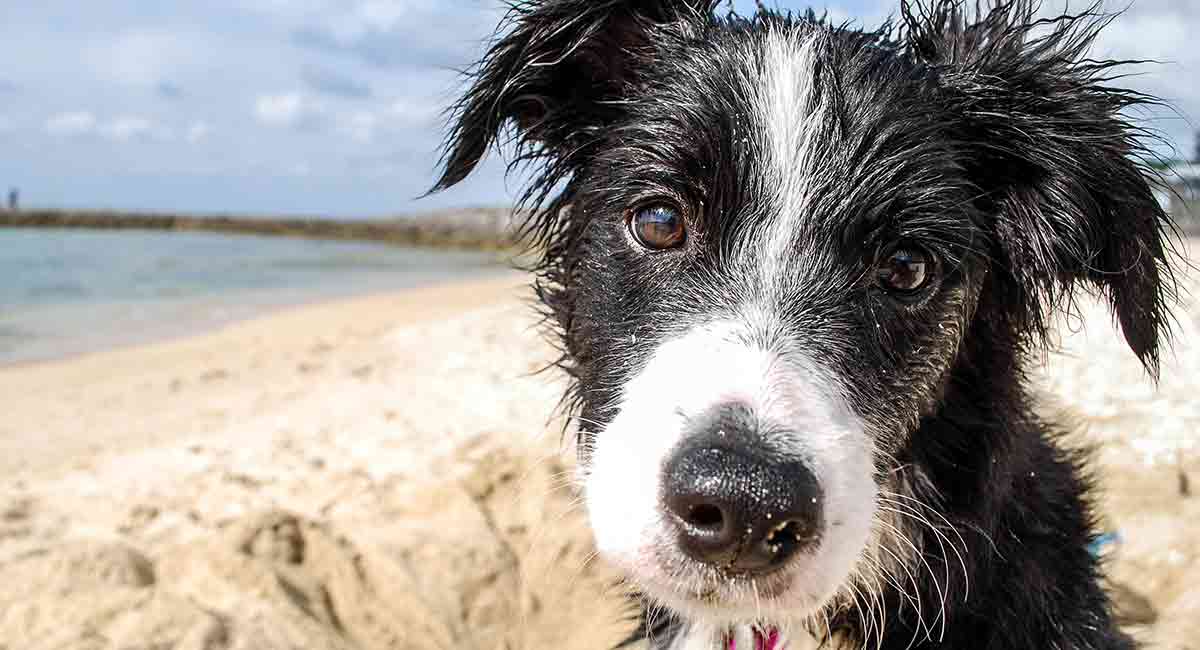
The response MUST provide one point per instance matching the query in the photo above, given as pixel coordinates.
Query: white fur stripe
(783, 102)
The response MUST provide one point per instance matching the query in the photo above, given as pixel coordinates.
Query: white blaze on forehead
(786, 125)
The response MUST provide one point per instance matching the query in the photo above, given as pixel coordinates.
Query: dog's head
(769, 242)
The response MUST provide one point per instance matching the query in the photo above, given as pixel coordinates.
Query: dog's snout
(736, 507)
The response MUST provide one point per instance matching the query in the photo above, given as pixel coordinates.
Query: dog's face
(772, 241)
(778, 280)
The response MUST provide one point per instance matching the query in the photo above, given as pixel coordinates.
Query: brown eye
(905, 270)
(657, 227)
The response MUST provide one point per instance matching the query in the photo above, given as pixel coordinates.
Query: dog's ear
(1060, 169)
(557, 75)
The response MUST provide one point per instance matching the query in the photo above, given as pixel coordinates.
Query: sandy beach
(384, 472)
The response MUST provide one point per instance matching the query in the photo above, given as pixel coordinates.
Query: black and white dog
(798, 270)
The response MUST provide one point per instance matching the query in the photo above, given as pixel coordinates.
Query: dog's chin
(786, 598)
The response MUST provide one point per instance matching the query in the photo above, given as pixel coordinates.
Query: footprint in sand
(16, 509)
(275, 537)
(215, 375)
(15, 515)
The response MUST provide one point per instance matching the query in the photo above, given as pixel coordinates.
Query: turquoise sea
(66, 292)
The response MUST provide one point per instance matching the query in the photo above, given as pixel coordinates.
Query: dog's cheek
(622, 485)
(910, 360)
(601, 337)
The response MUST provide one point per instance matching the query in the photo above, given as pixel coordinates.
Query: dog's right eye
(657, 227)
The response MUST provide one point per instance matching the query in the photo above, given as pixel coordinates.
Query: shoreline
(240, 307)
(164, 368)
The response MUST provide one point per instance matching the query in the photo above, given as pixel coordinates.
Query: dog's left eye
(905, 270)
(657, 227)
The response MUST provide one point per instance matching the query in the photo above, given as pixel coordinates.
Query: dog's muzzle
(734, 503)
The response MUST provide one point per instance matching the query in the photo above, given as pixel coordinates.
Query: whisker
(936, 530)
(942, 590)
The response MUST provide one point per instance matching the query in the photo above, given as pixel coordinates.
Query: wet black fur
(988, 136)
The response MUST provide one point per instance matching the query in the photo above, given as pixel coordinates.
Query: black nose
(736, 507)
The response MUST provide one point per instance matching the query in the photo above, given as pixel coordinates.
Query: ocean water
(67, 292)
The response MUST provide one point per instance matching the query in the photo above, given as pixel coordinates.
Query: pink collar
(763, 640)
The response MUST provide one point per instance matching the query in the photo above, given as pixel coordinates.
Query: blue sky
(317, 106)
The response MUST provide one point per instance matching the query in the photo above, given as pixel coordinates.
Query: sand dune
(381, 473)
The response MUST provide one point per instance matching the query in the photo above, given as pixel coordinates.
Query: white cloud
(71, 124)
(130, 128)
(278, 110)
(359, 126)
(384, 15)
(413, 113)
(197, 132)
(291, 110)
(362, 126)
(124, 129)
(6, 125)
(380, 16)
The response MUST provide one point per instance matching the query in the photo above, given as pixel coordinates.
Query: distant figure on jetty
(14, 199)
